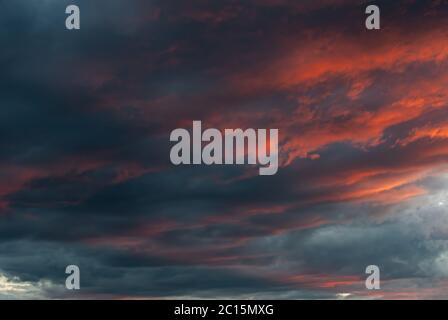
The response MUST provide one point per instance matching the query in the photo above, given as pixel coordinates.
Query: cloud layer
(84, 149)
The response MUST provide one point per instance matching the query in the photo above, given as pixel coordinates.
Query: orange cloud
(321, 281)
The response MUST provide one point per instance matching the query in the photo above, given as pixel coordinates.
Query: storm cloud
(86, 179)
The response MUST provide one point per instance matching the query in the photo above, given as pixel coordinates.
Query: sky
(86, 178)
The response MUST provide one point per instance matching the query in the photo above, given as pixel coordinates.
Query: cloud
(84, 149)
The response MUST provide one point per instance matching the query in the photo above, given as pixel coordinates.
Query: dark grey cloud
(84, 150)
